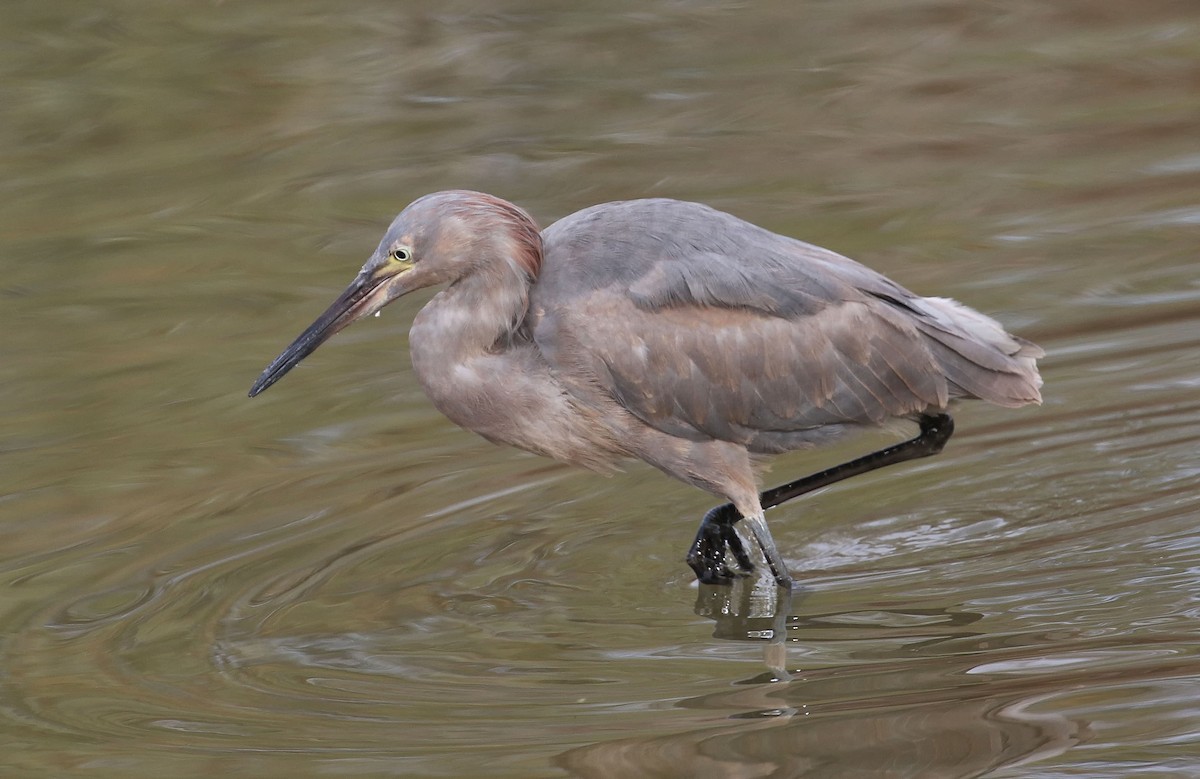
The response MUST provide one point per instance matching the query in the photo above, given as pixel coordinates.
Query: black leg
(716, 534)
(935, 431)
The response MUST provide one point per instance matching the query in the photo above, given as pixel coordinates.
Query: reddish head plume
(513, 221)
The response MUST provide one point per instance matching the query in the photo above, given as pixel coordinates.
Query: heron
(677, 334)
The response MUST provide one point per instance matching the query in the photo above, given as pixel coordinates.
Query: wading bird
(677, 334)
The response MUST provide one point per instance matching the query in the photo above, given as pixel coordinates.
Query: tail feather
(979, 358)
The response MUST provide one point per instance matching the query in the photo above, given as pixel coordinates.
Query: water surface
(333, 580)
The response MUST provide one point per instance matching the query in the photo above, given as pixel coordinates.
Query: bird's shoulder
(662, 253)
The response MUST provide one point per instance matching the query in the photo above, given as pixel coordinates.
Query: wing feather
(705, 326)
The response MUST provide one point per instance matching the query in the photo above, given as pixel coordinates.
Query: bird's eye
(401, 255)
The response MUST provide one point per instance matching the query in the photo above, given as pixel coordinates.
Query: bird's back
(706, 326)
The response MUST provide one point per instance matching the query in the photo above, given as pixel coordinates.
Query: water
(332, 580)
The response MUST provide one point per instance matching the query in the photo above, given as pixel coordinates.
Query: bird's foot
(715, 541)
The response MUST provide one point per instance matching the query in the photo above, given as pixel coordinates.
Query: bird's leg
(716, 535)
(762, 534)
(935, 431)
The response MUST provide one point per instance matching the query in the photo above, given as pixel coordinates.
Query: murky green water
(333, 580)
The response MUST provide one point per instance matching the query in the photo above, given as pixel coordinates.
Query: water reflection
(961, 738)
(903, 712)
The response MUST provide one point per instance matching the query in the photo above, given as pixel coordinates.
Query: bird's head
(438, 239)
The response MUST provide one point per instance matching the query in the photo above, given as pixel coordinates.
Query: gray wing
(704, 325)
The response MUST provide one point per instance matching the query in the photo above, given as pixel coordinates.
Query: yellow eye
(401, 255)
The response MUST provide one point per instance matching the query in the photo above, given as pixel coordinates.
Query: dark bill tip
(344, 310)
(263, 382)
(303, 346)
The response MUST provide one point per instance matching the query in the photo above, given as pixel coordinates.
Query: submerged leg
(716, 534)
(717, 537)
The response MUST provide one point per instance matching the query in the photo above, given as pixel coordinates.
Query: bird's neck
(486, 376)
(474, 316)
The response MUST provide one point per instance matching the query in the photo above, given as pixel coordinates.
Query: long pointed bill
(365, 295)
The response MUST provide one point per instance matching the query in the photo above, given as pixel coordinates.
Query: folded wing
(739, 334)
